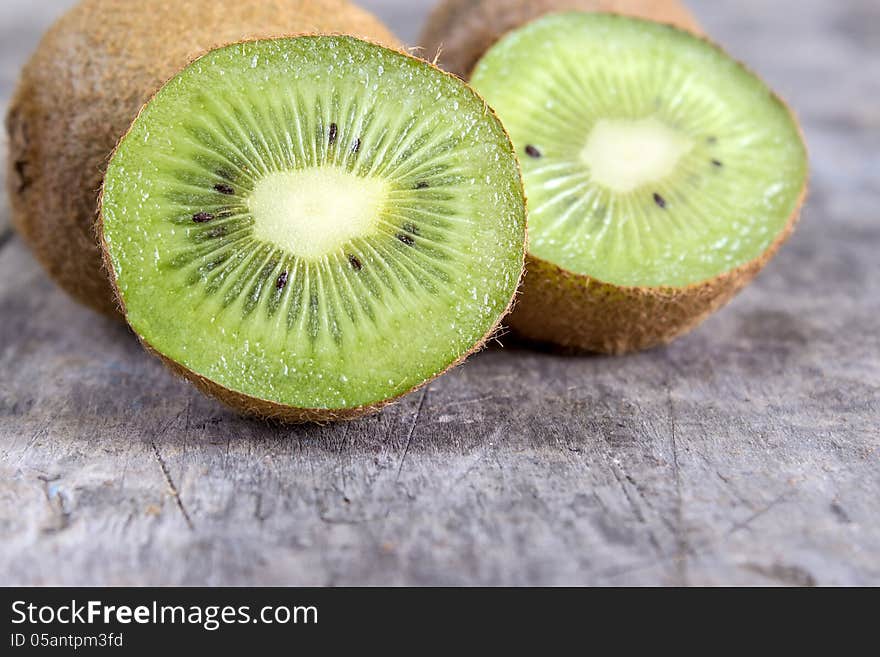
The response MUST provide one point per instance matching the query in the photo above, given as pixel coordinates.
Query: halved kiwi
(661, 176)
(310, 227)
(459, 32)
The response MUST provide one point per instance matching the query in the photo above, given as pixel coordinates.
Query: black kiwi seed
(203, 217)
(334, 131)
(224, 189)
(531, 151)
(411, 228)
(659, 200)
(422, 185)
(355, 262)
(281, 283)
(406, 239)
(356, 146)
(717, 163)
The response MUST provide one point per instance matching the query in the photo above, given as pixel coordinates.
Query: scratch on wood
(478, 400)
(683, 547)
(36, 435)
(488, 448)
(412, 428)
(343, 453)
(744, 524)
(637, 512)
(646, 500)
(171, 486)
(635, 508)
(729, 485)
(167, 474)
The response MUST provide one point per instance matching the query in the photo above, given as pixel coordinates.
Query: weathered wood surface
(748, 452)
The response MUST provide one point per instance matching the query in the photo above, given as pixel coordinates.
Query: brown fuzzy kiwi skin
(92, 72)
(264, 409)
(459, 32)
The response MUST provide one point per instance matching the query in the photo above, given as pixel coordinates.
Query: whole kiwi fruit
(90, 75)
(458, 32)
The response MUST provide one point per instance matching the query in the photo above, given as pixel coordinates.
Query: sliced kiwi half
(661, 175)
(311, 227)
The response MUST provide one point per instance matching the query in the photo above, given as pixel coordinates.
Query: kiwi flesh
(310, 227)
(459, 32)
(661, 176)
(92, 72)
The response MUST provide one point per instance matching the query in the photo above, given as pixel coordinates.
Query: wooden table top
(746, 453)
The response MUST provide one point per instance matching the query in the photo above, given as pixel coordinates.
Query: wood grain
(745, 453)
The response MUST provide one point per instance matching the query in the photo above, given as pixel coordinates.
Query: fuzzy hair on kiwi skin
(584, 314)
(459, 32)
(62, 132)
(263, 409)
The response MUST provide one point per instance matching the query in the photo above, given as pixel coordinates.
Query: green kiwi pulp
(317, 222)
(650, 157)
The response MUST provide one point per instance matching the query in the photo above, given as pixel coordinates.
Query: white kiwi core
(624, 154)
(314, 212)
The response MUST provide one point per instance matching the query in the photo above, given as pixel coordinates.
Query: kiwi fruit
(91, 73)
(661, 176)
(459, 32)
(310, 227)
